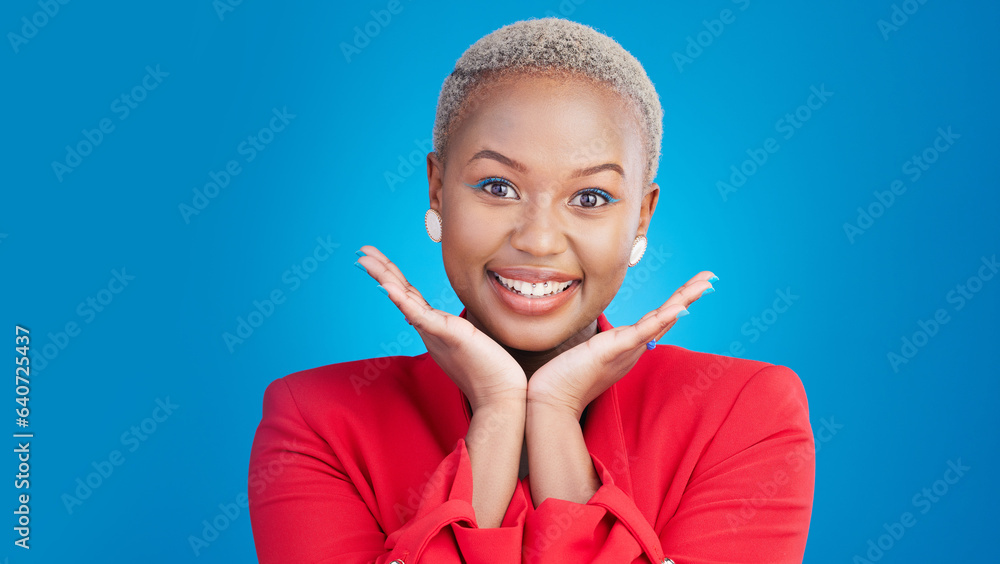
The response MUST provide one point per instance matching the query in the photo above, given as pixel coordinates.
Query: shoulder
(358, 386)
(706, 387)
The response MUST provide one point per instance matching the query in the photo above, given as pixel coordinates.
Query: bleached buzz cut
(551, 45)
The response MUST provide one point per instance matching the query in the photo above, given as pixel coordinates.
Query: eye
(591, 198)
(496, 186)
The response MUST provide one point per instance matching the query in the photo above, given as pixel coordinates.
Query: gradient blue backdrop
(359, 117)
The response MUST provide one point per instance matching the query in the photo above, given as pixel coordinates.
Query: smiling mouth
(533, 289)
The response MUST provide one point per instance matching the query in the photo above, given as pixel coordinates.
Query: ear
(647, 207)
(435, 180)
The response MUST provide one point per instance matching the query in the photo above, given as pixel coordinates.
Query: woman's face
(543, 187)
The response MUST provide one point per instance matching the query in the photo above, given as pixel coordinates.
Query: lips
(533, 274)
(524, 304)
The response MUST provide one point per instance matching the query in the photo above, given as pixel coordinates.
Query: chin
(527, 342)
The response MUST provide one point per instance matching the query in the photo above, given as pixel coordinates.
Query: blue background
(324, 175)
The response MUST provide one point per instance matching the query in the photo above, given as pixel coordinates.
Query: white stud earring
(432, 222)
(638, 248)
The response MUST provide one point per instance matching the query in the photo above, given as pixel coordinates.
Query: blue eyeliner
(491, 180)
(601, 193)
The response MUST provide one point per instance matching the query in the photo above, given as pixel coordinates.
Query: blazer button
(667, 561)
(397, 561)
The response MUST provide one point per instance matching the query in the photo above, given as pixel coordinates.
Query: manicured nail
(707, 292)
(682, 313)
(359, 265)
(383, 290)
(713, 278)
(359, 253)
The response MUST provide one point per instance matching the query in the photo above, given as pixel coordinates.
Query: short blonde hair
(552, 45)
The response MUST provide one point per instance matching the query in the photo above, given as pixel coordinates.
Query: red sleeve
(305, 508)
(749, 500)
(607, 529)
(750, 497)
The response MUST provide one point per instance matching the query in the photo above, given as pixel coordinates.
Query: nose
(540, 229)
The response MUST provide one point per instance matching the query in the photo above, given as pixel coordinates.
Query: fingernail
(383, 290)
(408, 321)
(682, 313)
(359, 265)
(713, 278)
(360, 253)
(707, 292)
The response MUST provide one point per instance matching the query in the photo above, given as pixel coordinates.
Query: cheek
(603, 255)
(472, 233)
(468, 240)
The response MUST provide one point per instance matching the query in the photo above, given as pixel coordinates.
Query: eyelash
(500, 180)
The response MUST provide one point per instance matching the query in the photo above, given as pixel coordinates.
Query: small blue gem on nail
(651, 345)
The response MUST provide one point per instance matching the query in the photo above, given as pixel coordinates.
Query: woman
(532, 430)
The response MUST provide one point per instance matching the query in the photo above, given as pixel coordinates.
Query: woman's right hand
(480, 367)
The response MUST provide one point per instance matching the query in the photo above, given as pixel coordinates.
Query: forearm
(494, 442)
(558, 460)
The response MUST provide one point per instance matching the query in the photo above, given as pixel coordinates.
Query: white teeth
(537, 289)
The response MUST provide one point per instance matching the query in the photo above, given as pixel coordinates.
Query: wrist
(507, 401)
(551, 406)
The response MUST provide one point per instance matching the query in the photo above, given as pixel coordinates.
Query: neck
(531, 361)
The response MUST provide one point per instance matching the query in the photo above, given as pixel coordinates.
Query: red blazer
(703, 458)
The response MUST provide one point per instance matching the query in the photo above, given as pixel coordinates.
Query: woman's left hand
(570, 381)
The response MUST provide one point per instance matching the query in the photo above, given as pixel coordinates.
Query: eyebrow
(488, 154)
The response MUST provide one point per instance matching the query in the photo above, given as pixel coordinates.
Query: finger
(383, 270)
(371, 251)
(687, 294)
(418, 313)
(703, 275)
(653, 325)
